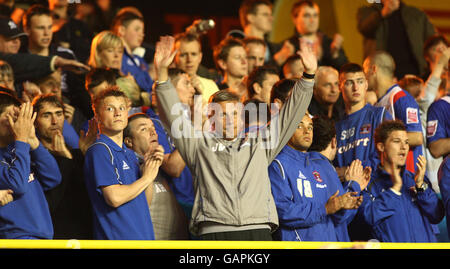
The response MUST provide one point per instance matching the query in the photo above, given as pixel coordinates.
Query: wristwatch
(308, 76)
(422, 188)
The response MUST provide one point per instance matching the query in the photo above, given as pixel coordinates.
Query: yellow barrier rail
(111, 244)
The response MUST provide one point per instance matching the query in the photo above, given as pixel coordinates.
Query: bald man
(380, 69)
(327, 99)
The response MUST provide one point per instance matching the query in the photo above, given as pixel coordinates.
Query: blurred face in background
(9, 45)
(262, 19)
(189, 56)
(39, 31)
(111, 57)
(307, 20)
(256, 54)
(133, 33)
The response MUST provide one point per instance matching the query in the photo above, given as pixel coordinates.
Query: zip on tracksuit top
(302, 183)
(231, 181)
(28, 174)
(403, 217)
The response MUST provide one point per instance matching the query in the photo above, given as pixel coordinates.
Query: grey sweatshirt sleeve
(174, 118)
(289, 117)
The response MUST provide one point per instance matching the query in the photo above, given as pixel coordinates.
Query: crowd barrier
(112, 244)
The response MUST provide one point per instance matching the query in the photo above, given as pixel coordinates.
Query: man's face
(188, 57)
(303, 136)
(40, 31)
(6, 136)
(133, 34)
(262, 19)
(236, 63)
(267, 85)
(307, 20)
(49, 121)
(185, 89)
(353, 87)
(113, 115)
(52, 84)
(256, 54)
(111, 57)
(230, 119)
(143, 136)
(9, 45)
(370, 74)
(327, 90)
(395, 149)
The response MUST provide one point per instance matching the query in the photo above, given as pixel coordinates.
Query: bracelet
(308, 76)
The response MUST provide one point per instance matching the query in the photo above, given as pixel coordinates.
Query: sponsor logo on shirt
(432, 127)
(365, 129)
(317, 176)
(354, 144)
(412, 115)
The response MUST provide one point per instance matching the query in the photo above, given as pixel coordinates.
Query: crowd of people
(103, 136)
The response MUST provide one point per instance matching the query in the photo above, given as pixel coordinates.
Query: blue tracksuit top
(400, 218)
(28, 174)
(106, 164)
(138, 68)
(355, 136)
(301, 186)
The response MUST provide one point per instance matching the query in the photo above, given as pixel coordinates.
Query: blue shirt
(404, 107)
(438, 120)
(138, 68)
(28, 174)
(444, 187)
(182, 186)
(70, 135)
(108, 164)
(301, 186)
(400, 218)
(355, 134)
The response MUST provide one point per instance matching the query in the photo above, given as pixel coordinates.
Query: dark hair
(249, 7)
(35, 10)
(222, 50)
(281, 89)
(254, 40)
(299, 4)
(135, 116)
(174, 72)
(7, 99)
(97, 76)
(50, 98)
(124, 19)
(385, 129)
(433, 41)
(323, 132)
(351, 68)
(224, 96)
(112, 91)
(258, 75)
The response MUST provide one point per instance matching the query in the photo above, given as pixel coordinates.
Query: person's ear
(121, 30)
(257, 88)
(128, 142)
(380, 147)
(222, 64)
(333, 143)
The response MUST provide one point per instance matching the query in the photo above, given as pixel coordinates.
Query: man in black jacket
(69, 203)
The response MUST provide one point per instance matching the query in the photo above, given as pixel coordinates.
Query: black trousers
(246, 235)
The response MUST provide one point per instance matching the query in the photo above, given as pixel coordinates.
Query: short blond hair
(103, 40)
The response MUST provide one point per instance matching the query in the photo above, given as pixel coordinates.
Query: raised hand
(164, 55)
(350, 201)
(153, 161)
(59, 146)
(421, 169)
(357, 173)
(309, 59)
(87, 139)
(23, 126)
